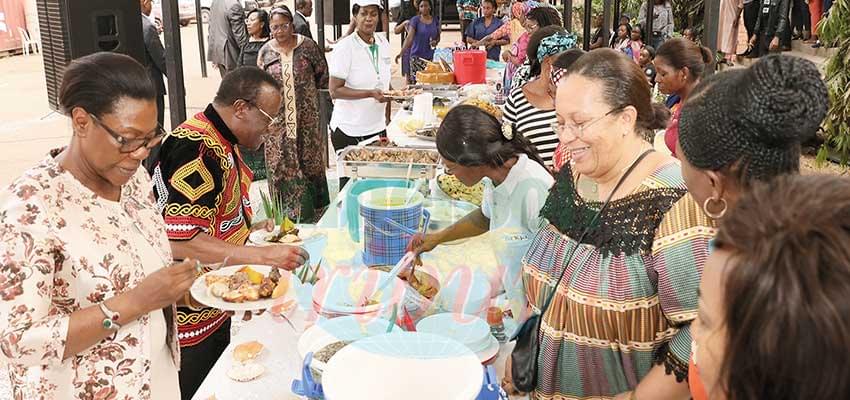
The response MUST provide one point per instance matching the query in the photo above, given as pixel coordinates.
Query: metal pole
(567, 15)
(319, 12)
(617, 12)
(588, 9)
(386, 5)
(201, 52)
(439, 13)
(712, 20)
(174, 62)
(606, 21)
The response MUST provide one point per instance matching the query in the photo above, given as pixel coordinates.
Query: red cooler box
(470, 66)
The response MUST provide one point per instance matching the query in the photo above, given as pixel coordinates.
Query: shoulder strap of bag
(587, 229)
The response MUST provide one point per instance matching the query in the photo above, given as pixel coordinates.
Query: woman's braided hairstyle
(751, 122)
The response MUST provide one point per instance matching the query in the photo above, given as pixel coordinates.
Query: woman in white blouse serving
(359, 76)
(476, 147)
(87, 291)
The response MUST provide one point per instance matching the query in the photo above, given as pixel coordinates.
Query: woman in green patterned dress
(619, 323)
(296, 152)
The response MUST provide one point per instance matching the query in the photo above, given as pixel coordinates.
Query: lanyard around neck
(373, 55)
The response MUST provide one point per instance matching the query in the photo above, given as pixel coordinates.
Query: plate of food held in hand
(402, 94)
(246, 288)
(286, 233)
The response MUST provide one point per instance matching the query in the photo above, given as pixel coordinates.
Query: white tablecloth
(280, 357)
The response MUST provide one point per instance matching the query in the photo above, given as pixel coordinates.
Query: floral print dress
(64, 249)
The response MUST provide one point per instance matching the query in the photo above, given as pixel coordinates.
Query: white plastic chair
(27, 41)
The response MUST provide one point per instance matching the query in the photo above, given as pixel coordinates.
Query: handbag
(527, 349)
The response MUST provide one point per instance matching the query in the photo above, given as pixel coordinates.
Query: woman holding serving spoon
(475, 147)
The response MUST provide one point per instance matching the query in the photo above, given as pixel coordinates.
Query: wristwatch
(110, 323)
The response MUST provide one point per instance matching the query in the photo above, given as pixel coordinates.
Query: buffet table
(281, 359)
(280, 336)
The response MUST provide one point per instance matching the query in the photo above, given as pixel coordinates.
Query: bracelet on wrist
(109, 323)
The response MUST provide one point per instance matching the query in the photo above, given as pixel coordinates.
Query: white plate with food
(246, 288)
(294, 235)
(402, 94)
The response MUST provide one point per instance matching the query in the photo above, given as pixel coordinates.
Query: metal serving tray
(387, 169)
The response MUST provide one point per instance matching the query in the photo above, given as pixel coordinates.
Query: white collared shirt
(517, 201)
(352, 62)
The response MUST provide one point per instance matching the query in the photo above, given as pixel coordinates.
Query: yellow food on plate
(281, 288)
(247, 351)
(287, 225)
(411, 124)
(490, 108)
(253, 276)
(455, 189)
(441, 111)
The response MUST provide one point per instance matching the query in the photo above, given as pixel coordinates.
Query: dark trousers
(222, 70)
(751, 14)
(657, 39)
(340, 140)
(763, 46)
(800, 19)
(197, 361)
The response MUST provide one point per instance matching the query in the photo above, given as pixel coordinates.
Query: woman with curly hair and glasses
(87, 281)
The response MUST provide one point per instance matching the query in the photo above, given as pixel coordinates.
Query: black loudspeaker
(337, 12)
(74, 28)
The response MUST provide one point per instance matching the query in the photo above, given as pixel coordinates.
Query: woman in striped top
(530, 108)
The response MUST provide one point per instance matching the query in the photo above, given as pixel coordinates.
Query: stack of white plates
(469, 330)
(403, 365)
(344, 292)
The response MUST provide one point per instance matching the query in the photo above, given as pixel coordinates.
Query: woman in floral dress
(86, 291)
(296, 152)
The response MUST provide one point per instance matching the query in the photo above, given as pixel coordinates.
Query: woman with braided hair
(742, 126)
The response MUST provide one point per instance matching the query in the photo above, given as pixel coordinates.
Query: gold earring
(714, 215)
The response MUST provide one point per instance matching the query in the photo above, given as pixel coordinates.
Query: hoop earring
(714, 215)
